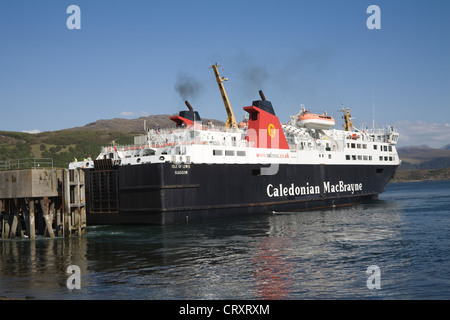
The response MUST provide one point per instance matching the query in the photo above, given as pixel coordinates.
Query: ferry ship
(197, 171)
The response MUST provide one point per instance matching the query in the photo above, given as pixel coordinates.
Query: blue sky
(128, 57)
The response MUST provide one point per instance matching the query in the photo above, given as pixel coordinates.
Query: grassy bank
(421, 175)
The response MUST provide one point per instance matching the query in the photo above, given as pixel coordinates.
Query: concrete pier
(42, 202)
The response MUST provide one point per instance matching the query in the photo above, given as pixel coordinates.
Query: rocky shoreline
(410, 175)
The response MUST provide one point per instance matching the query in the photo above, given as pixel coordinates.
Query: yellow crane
(231, 120)
(347, 119)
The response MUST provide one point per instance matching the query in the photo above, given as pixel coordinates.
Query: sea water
(396, 247)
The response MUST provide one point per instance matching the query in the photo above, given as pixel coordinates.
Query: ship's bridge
(388, 135)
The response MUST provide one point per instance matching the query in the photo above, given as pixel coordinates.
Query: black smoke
(187, 87)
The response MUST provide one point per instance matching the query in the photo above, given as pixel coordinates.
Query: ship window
(217, 152)
(365, 158)
(390, 148)
(353, 157)
(347, 157)
(385, 158)
(374, 147)
(353, 145)
(385, 148)
(254, 116)
(240, 153)
(329, 156)
(358, 145)
(364, 146)
(229, 152)
(370, 158)
(390, 158)
(381, 158)
(359, 157)
(148, 152)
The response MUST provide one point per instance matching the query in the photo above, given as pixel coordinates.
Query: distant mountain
(424, 157)
(135, 126)
(447, 147)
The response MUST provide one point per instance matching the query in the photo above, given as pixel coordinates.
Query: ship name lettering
(292, 190)
(341, 187)
(181, 166)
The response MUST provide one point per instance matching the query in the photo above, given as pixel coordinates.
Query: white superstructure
(202, 144)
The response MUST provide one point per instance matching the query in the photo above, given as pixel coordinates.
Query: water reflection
(314, 254)
(38, 268)
(326, 253)
(273, 269)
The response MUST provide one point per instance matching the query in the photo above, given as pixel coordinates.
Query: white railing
(26, 163)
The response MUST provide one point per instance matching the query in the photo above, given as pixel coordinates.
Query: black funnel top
(264, 105)
(190, 115)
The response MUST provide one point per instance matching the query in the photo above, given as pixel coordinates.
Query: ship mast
(231, 120)
(347, 119)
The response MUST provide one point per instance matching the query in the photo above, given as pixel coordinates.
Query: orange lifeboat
(315, 121)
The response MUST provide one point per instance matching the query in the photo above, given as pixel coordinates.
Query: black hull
(166, 193)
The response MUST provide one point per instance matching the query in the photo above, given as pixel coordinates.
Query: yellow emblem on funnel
(271, 130)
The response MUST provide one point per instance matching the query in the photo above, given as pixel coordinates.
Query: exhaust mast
(189, 105)
(261, 94)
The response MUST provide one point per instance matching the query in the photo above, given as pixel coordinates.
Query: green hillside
(80, 142)
(421, 175)
(423, 163)
(62, 146)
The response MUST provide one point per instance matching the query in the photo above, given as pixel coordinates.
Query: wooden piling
(48, 218)
(30, 222)
(49, 202)
(12, 219)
